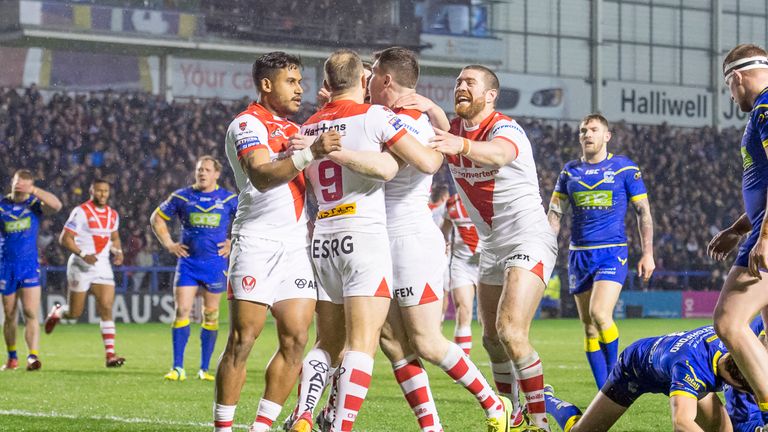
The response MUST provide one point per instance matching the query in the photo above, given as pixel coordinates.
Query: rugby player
(745, 290)
(269, 267)
(90, 235)
(464, 272)
(689, 367)
(598, 186)
(491, 160)
(741, 406)
(205, 211)
(20, 213)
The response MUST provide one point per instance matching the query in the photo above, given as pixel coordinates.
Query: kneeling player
(91, 234)
(688, 366)
(741, 406)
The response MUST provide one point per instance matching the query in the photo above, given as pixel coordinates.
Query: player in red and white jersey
(91, 234)
(491, 160)
(269, 265)
(464, 269)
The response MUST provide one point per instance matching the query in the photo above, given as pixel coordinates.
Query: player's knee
(727, 329)
(182, 312)
(601, 319)
(211, 319)
(511, 337)
(292, 346)
(493, 345)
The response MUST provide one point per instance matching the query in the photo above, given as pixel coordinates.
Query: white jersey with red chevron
(93, 228)
(348, 201)
(466, 241)
(407, 195)
(279, 212)
(505, 203)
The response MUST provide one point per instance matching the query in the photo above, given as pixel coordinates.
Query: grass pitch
(75, 392)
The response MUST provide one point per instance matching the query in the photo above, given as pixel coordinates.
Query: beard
(471, 110)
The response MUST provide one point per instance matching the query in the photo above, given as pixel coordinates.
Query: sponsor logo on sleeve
(243, 125)
(247, 143)
(396, 123)
(638, 175)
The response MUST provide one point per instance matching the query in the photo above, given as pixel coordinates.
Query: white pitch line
(133, 420)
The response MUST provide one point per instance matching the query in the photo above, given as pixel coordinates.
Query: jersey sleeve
(383, 125)
(75, 221)
(509, 131)
(561, 187)
(170, 207)
(36, 206)
(248, 134)
(116, 227)
(232, 205)
(633, 181)
(685, 382)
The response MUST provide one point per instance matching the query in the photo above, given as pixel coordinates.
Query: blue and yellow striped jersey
(754, 160)
(19, 224)
(598, 195)
(204, 216)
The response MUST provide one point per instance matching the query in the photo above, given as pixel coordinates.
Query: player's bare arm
(51, 203)
(67, 240)
(160, 228)
(411, 151)
(726, 240)
(424, 104)
(495, 153)
(266, 174)
(558, 206)
(381, 166)
(684, 409)
(646, 264)
(116, 249)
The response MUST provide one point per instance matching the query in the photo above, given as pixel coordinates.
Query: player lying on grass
(688, 366)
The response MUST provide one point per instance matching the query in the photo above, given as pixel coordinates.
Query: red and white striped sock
(223, 417)
(315, 374)
(266, 414)
(354, 379)
(108, 335)
(459, 367)
(506, 382)
(530, 375)
(413, 380)
(463, 338)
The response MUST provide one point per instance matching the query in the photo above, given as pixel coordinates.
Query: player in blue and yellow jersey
(598, 187)
(689, 367)
(745, 291)
(741, 406)
(205, 211)
(20, 214)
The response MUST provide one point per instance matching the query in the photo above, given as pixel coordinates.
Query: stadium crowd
(147, 147)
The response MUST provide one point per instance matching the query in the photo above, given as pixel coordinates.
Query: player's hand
(722, 244)
(299, 142)
(24, 187)
(758, 258)
(645, 267)
(323, 97)
(446, 143)
(224, 248)
(178, 249)
(117, 258)
(326, 143)
(414, 101)
(90, 259)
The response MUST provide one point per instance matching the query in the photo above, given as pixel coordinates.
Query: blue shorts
(742, 259)
(626, 381)
(590, 265)
(210, 274)
(17, 275)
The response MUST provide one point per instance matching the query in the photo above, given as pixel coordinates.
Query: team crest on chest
(608, 176)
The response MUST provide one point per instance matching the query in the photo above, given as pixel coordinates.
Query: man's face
(100, 194)
(593, 135)
(206, 175)
(18, 183)
(735, 83)
(286, 91)
(376, 85)
(470, 94)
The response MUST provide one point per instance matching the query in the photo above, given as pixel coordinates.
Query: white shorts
(269, 271)
(81, 275)
(464, 271)
(418, 266)
(537, 254)
(352, 264)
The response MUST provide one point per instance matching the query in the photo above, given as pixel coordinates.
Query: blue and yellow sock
(609, 343)
(207, 343)
(564, 413)
(596, 359)
(12, 354)
(763, 406)
(180, 336)
(33, 354)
